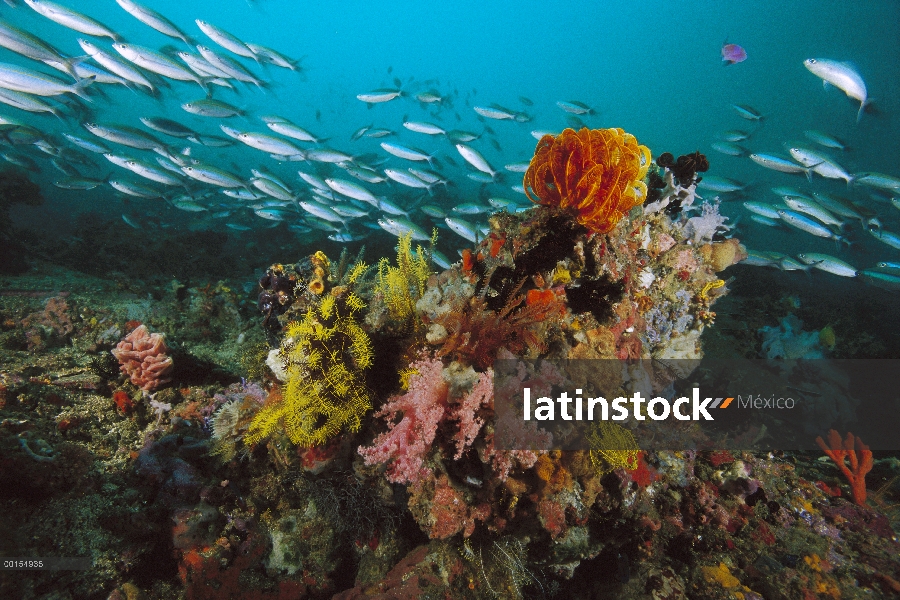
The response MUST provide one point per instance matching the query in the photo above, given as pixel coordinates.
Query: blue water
(652, 68)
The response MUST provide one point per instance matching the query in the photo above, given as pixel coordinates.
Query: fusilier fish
(398, 226)
(208, 107)
(379, 96)
(33, 47)
(119, 67)
(574, 107)
(829, 264)
(462, 228)
(421, 127)
(823, 139)
(153, 19)
(820, 163)
(21, 79)
(777, 163)
(71, 19)
(352, 190)
(225, 39)
(407, 153)
(213, 176)
(747, 112)
(474, 158)
(157, 63)
(809, 225)
(286, 128)
(843, 76)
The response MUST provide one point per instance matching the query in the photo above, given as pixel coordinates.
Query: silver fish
(71, 19)
(168, 127)
(804, 223)
(462, 228)
(728, 148)
(422, 127)
(747, 112)
(575, 108)
(406, 178)
(879, 180)
(26, 44)
(888, 237)
(230, 66)
(208, 107)
(407, 153)
(157, 62)
(154, 20)
(352, 190)
(320, 210)
(814, 210)
(820, 163)
(132, 188)
(498, 114)
(843, 76)
(213, 176)
(402, 226)
(720, 184)
(125, 135)
(777, 163)
(273, 57)
(762, 209)
(225, 39)
(379, 96)
(20, 79)
(827, 263)
(823, 139)
(286, 128)
(115, 65)
(148, 171)
(474, 158)
(273, 188)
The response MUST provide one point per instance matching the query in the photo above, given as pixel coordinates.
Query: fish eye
(812, 61)
(882, 265)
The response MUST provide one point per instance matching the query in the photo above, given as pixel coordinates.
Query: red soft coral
(142, 356)
(406, 443)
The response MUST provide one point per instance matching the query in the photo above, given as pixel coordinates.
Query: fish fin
(825, 84)
(81, 85)
(862, 108)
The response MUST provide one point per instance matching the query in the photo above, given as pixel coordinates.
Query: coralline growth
(401, 286)
(323, 357)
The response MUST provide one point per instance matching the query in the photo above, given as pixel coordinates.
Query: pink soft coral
(142, 356)
(406, 443)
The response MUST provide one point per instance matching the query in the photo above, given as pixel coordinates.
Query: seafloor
(162, 490)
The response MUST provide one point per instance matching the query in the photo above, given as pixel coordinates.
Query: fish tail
(80, 86)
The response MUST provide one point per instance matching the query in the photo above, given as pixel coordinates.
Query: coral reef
(178, 496)
(143, 358)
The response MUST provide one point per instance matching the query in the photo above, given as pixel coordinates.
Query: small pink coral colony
(142, 356)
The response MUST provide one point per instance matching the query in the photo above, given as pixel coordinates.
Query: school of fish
(811, 209)
(313, 183)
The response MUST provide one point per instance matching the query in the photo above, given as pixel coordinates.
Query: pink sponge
(142, 356)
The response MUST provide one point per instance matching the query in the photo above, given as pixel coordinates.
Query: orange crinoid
(596, 173)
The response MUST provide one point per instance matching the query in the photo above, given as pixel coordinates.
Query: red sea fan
(142, 356)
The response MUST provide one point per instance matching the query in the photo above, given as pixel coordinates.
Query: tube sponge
(142, 356)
